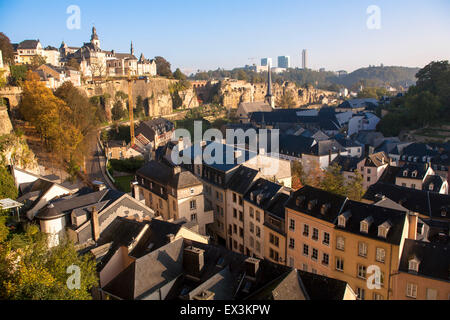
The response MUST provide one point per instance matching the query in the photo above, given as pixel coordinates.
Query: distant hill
(368, 77)
(378, 76)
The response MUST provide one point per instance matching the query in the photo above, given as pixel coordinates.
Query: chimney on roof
(412, 221)
(251, 267)
(193, 261)
(170, 237)
(95, 224)
(98, 185)
(204, 295)
(176, 170)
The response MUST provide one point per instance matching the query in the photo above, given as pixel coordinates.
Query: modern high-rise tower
(284, 62)
(304, 59)
(266, 61)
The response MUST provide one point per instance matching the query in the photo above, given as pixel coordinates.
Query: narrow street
(96, 164)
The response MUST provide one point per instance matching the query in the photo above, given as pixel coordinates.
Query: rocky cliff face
(15, 151)
(235, 92)
(5, 122)
(155, 91)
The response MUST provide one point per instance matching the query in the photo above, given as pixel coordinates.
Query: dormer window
(299, 200)
(413, 265)
(424, 159)
(343, 218)
(324, 209)
(365, 224)
(444, 212)
(364, 227)
(414, 174)
(341, 221)
(431, 186)
(405, 173)
(384, 229)
(312, 204)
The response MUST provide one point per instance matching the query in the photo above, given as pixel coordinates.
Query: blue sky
(207, 34)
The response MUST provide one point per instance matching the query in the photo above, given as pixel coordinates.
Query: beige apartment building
(237, 187)
(173, 193)
(423, 273)
(372, 168)
(310, 215)
(275, 231)
(368, 243)
(256, 201)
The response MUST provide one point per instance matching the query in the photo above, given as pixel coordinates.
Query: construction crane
(130, 107)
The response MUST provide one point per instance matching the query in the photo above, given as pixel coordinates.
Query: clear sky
(207, 34)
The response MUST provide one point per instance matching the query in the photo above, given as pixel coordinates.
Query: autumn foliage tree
(29, 270)
(52, 118)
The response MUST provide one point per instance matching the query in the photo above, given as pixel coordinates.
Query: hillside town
(284, 192)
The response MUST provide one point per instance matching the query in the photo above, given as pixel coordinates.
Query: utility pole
(130, 107)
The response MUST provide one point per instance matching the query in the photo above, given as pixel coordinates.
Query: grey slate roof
(360, 211)
(322, 148)
(300, 200)
(242, 179)
(347, 163)
(266, 189)
(434, 259)
(149, 272)
(433, 181)
(156, 126)
(427, 203)
(419, 168)
(28, 44)
(163, 174)
(321, 287)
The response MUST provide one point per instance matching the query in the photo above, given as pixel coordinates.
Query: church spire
(269, 99)
(94, 37)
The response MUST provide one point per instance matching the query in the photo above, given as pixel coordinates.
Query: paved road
(96, 164)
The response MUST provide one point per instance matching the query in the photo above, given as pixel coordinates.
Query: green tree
(375, 93)
(163, 67)
(242, 75)
(355, 189)
(7, 186)
(7, 49)
(139, 110)
(333, 180)
(29, 270)
(286, 101)
(179, 75)
(117, 111)
(18, 74)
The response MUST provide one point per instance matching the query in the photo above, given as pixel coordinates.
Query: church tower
(94, 38)
(269, 99)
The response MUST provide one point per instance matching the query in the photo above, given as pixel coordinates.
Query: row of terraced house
(385, 247)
